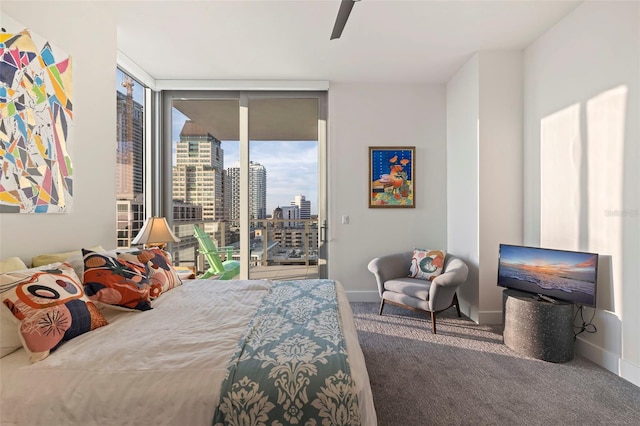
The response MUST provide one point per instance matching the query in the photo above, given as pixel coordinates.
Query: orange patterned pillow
(162, 276)
(116, 282)
(50, 307)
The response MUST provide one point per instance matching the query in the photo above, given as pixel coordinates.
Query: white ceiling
(384, 40)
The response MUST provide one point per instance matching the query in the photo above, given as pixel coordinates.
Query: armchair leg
(381, 306)
(455, 302)
(433, 322)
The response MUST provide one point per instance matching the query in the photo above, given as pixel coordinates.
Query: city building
(129, 220)
(304, 205)
(186, 215)
(198, 177)
(232, 196)
(292, 213)
(130, 213)
(257, 192)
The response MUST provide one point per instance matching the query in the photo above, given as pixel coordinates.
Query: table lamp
(155, 233)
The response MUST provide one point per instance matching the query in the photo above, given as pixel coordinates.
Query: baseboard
(610, 361)
(630, 371)
(600, 356)
(363, 296)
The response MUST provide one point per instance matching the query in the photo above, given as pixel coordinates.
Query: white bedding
(162, 366)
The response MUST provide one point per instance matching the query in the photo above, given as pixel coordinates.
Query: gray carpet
(465, 375)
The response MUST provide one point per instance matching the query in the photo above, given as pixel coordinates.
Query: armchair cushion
(426, 264)
(409, 286)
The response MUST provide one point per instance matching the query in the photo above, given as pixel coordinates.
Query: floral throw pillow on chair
(426, 264)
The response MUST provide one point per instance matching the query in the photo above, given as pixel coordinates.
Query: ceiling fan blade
(341, 19)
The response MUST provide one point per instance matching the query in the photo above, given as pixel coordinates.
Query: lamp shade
(155, 231)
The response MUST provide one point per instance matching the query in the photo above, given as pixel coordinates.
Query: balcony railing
(279, 248)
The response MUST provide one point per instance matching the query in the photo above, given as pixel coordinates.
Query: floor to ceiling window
(246, 169)
(202, 178)
(130, 208)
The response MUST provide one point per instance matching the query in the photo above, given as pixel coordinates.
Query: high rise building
(257, 192)
(233, 195)
(129, 166)
(198, 178)
(130, 149)
(198, 171)
(304, 205)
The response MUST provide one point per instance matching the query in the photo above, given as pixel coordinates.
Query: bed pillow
(74, 258)
(9, 330)
(11, 264)
(49, 307)
(116, 282)
(426, 264)
(9, 339)
(162, 275)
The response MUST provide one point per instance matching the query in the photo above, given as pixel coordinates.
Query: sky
(292, 166)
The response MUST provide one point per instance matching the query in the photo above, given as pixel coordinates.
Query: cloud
(292, 169)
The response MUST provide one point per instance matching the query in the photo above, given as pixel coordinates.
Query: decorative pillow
(9, 326)
(11, 264)
(49, 306)
(426, 264)
(162, 275)
(116, 282)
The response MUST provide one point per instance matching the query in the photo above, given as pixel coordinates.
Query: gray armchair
(396, 288)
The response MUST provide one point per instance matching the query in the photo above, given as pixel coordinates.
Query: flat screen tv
(569, 276)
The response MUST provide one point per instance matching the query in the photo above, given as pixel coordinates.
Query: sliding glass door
(248, 168)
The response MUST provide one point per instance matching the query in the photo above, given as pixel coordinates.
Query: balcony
(281, 249)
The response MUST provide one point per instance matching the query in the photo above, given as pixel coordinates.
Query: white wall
(463, 114)
(484, 173)
(363, 115)
(582, 165)
(92, 46)
(500, 171)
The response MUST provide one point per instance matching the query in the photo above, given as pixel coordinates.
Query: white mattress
(163, 366)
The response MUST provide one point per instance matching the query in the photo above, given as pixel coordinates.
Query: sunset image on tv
(565, 275)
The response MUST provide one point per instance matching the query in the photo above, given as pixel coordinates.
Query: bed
(208, 352)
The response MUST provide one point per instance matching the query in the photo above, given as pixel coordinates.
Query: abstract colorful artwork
(391, 180)
(35, 126)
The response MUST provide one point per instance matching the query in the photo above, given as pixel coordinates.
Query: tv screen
(565, 275)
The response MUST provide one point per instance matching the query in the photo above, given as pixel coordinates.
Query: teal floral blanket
(291, 367)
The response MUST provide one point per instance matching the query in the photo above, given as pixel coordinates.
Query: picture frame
(392, 176)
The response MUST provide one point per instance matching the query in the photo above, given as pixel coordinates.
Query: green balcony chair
(222, 270)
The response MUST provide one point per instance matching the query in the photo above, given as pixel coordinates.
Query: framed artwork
(36, 121)
(391, 176)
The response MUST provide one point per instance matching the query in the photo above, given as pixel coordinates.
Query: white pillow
(11, 264)
(9, 337)
(73, 258)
